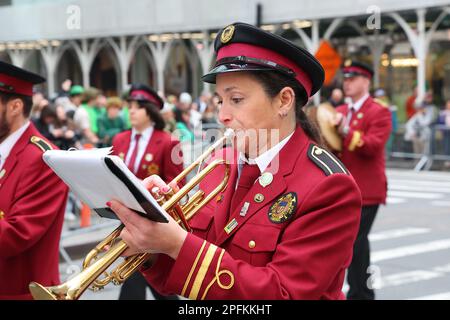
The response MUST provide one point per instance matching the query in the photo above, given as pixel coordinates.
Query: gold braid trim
(202, 272)
(192, 269)
(217, 277)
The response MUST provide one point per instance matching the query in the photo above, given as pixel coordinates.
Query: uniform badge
(148, 157)
(227, 34)
(231, 226)
(283, 208)
(265, 179)
(244, 209)
(2, 173)
(259, 198)
(153, 169)
(360, 116)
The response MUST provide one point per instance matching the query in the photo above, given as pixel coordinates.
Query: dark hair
(179, 115)
(273, 83)
(154, 113)
(47, 112)
(27, 101)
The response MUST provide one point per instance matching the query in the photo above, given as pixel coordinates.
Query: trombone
(94, 266)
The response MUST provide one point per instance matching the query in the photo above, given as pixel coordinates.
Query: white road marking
(415, 195)
(405, 251)
(396, 233)
(439, 296)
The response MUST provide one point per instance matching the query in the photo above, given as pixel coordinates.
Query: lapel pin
(148, 157)
(360, 116)
(244, 209)
(265, 179)
(231, 226)
(259, 198)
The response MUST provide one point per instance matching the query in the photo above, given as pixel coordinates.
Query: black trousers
(357, 274)
(134, 289)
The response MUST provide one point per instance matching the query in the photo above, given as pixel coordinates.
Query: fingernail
(165, 189)
(108, 204)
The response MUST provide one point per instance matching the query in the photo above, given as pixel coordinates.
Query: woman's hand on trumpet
(143, 235)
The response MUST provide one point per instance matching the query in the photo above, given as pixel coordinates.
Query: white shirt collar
(146, 134)
(7, 145)
(358, 104)
(266, 158)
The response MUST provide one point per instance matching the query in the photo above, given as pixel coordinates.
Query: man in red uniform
(146, 149)
(284, 226)
(33, 198)
(365, 126)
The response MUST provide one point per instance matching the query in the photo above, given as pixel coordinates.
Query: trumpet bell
(40, 292)
(325, 118)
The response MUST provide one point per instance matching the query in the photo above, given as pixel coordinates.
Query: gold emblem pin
(265, 179)
(227, 34)
(121, 155)
(259, 198)
(2, 173)
(360, 116)
(148, 157)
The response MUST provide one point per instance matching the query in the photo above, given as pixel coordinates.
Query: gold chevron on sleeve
(204, 267)
(188, 279)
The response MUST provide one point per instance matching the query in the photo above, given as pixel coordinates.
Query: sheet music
(88, 176)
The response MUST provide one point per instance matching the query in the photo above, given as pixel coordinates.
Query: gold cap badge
(227, 34)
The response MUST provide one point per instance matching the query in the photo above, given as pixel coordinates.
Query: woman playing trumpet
(285, 225)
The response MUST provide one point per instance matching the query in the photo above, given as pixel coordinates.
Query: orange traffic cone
(85, 214)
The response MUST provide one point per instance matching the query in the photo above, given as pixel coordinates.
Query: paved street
(410, 240)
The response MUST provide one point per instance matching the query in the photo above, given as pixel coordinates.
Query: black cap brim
(210, 77)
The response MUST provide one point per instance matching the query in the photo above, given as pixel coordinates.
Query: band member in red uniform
(365, 126)
(146, 149)
(285, 225)
(32, 197)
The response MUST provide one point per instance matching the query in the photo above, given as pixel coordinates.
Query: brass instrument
(323, 116)
(94, 266)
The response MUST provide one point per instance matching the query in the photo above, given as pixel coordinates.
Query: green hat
(76, 90)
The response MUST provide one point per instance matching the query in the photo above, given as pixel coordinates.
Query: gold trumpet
(95, 266)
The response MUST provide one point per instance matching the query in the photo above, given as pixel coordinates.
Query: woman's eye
(236, 100)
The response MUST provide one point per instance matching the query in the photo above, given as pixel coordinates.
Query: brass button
(2, 215)
(252, 244)
(318, 151)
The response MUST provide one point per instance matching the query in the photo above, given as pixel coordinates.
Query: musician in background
(147, 150)
(32, 197)
(364, 126)
(284, 226)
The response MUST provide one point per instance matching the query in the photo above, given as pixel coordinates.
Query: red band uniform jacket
(32, 206)
(294, 242)
(363, 150)
(162, 156)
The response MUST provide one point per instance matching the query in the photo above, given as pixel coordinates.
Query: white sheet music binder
(97, 177)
